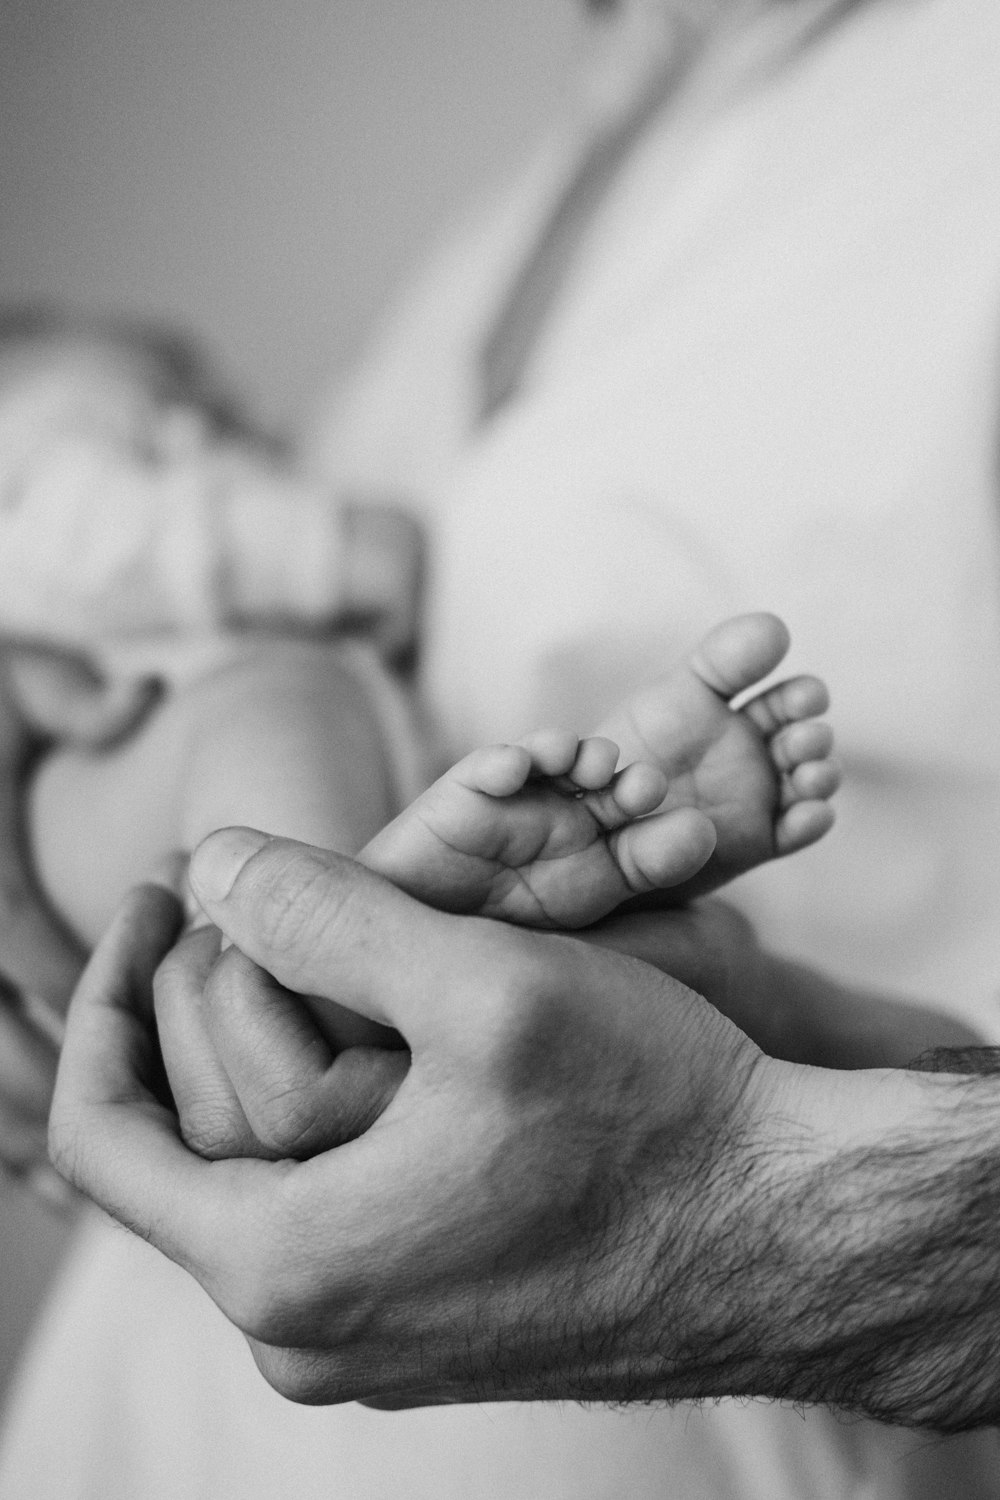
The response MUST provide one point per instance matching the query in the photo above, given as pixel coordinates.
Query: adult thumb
(323, 925)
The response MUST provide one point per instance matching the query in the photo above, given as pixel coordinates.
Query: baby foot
(544, 833)
(761, 772)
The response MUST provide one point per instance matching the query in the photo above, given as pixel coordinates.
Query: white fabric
(771, 382)
(102, 543)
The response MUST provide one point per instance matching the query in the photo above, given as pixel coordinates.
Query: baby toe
(787, 703)
(552, 751)
(664, 850)
(801, 825)
(803, 698)
(739, 652)
(595, 763)
(814, 780)
(497, 770)
(797, 743)
(639, 789)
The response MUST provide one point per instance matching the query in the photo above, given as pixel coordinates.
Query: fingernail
(217, 861)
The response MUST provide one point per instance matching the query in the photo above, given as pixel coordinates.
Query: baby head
(121, 379)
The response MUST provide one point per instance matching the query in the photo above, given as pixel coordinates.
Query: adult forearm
(860, 1265)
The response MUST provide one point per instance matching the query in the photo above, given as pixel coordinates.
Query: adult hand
(254, 1070)
(792, 1012)
(588, 1185)
(530, 1175)
(252, 1074)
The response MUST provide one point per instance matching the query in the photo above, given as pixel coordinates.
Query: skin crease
(693, 1170)
(708, 1075)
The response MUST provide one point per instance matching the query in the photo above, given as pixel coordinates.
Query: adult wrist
(861, 1268)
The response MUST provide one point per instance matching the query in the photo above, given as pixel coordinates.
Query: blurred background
(262, 173)
(263, 176)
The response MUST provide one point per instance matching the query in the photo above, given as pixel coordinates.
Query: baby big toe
(739, 652)
(639, 789)
(595, 763)
(665, 849)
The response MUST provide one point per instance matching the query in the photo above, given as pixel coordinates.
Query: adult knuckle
(284, 1120)
(209, 1129)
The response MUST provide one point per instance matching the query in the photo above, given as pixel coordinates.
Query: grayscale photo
(500, 750)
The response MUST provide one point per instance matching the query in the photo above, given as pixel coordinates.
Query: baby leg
(281, 738)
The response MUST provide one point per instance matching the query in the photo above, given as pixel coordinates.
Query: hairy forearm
(858, 1266)
(590, 1184)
